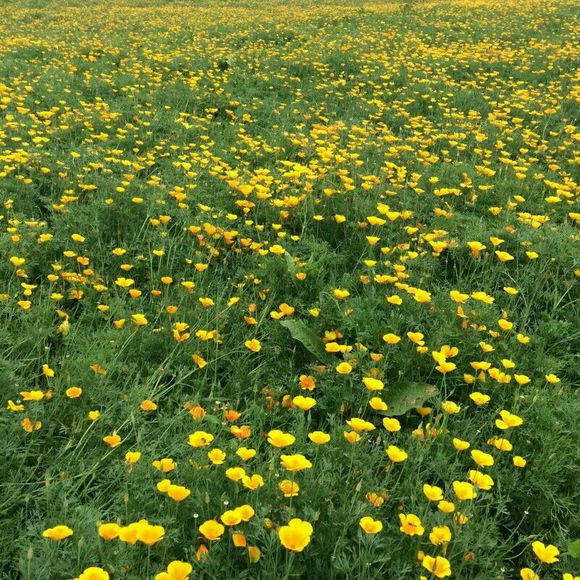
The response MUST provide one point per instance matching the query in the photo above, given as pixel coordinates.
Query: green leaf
(574, 549)
(403, 396)
(308, 338)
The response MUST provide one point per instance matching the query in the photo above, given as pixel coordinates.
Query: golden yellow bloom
(370, 526)
(296, 535)
(57, 533)
(295, 463)
(411, 525)
(440, 567)
(546, 553)
(211, 530)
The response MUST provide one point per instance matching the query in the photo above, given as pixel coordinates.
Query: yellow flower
(245, 454)
(113, 440)
(508, 420)
(440, 567)
(132, 456)
(378, 404)
(109, 532)
(253, 345)
(178, 492)
(370, 526)
(211, 530)
(164, 465)
(482, 459)
(57, 533)
(216, 456)
(231, 518)
(149, 534)
(460, 445)
(547, 554)
(296, 535)
(373, 384)
(319, 437)
(200, 439)
(440, 535)
(432, 492)
(74, 392)
(176, 570)
(446, 506)
(528, 574)
(343, 368)
(519, 461)
(279, 439)
(479, 398)
(482, 480)
(450, 407)
(253, 482)
(463, 490)
(391, 338)
(289, 488)
(340, 294)
(295, 463)
(303, 403)
(235, 473)
(395, 454)
(139, 320)
(93, 573)
(411, 525)
(391, 424)
(148, 405)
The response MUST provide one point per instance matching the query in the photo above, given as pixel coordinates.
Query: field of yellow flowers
(289, 290)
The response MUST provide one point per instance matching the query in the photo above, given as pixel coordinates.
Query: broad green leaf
(403, 396)
(574, 549)
(308, 338)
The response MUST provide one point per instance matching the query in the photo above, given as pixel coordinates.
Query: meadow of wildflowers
(289, 289)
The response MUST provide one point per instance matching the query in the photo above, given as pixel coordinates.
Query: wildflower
(547, 554)
(463, 490)
(411, 525)
(319, 438)
(231, 518)
(343, 368)
(254, 345)
(216, 456)
(440, 567)
(279, 439)
(391, 338)
(370, 526)
(176, 570)
(395, 454)
(149, 534)
(432, 492)
(440, 535)
(57, 533)
(296, 535)
(108, 532)
(211, 530)
(289, 488)
(519, 461)
(528, 574)
(200, 439)
(482, 459)
(113, 440)
(373, 384)
(93, 573)
(508, 420)
(132, 456)
(303, 403)
(245, 454)
(295, 463)
(74, 392)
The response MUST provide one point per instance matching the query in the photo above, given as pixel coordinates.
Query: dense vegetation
(289, 290)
